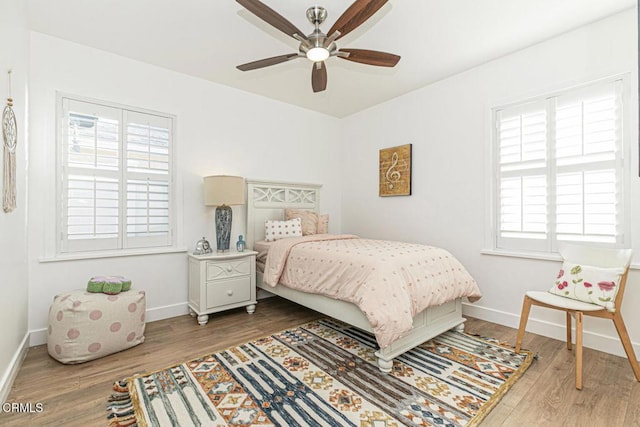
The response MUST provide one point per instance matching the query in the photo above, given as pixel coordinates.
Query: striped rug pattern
(324, 373)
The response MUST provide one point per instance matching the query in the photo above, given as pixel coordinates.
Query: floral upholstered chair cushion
(596, 285)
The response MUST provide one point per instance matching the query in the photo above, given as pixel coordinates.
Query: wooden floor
(75, 395)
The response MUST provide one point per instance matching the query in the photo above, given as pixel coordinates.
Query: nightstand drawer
(224, 292)
(226, 269)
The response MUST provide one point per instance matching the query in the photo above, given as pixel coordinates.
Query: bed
(267, 200)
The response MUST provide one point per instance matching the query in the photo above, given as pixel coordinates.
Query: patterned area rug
(324, 373)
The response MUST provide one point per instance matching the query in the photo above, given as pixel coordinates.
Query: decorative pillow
(323, 224)
(274, 230)
(309, 219)
(595, 285)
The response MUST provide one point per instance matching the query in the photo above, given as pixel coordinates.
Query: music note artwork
(395, 171)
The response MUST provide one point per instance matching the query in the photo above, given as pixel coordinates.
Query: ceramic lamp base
(223, 227)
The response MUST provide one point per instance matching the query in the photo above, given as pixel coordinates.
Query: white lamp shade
(223, 190)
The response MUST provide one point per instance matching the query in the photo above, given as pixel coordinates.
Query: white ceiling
(208, 38)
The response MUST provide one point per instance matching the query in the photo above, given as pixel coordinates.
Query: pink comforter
(389, 281)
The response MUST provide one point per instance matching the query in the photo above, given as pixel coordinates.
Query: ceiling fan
(319, 46)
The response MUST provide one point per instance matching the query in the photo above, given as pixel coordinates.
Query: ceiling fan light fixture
(317, 54)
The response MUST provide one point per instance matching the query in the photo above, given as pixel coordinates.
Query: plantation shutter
(116, 178)
(522, 178)
(91, 194)
(589, 165)
(147, 179)
(560, 168)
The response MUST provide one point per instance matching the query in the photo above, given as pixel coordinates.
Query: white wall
(219, 131)
(14, 55)
(448, 124)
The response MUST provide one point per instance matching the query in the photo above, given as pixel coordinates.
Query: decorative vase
(241, 244)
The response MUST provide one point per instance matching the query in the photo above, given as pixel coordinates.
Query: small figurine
(202, 247)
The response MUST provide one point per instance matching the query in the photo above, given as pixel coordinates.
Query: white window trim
(176, 210)
(491, 161)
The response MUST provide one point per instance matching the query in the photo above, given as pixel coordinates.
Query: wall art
(395, 171)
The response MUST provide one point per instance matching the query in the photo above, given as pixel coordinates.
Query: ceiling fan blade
(267, 62)
(271, 17)
(370, 57)
(319, 76)
(356, 15)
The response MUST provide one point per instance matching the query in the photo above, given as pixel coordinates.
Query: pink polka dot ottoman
(84, 326)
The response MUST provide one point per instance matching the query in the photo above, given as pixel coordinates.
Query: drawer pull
(230, 292)
(229, 269)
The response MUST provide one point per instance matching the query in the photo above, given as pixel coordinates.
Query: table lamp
(223, 191)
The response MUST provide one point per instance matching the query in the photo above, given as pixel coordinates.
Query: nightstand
(221, 281)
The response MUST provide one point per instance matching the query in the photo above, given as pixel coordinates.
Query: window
(116, 177)
(560, 170)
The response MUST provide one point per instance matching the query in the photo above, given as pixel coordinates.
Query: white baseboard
(12, 370)
(596, 341)
(593, 340)
(39, 336)
(167, 311)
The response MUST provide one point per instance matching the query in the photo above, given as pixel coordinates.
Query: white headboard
(268, 200)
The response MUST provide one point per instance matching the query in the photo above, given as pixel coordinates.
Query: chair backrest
(599, 257)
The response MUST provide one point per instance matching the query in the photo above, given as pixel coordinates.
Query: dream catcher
(10, 135)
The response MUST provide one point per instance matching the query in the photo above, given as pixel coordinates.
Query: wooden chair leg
(626, 343)
(524, 316)
(568, 331)
(579, 350)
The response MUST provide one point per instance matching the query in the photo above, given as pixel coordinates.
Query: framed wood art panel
(395, 171)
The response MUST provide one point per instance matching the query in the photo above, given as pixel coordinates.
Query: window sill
(534, 255)
(111, 254)
(546, 256)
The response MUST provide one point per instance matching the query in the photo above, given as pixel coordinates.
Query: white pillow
(596, 285)
(275, 230)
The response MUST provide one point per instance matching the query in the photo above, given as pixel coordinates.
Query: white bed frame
(268, 200)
